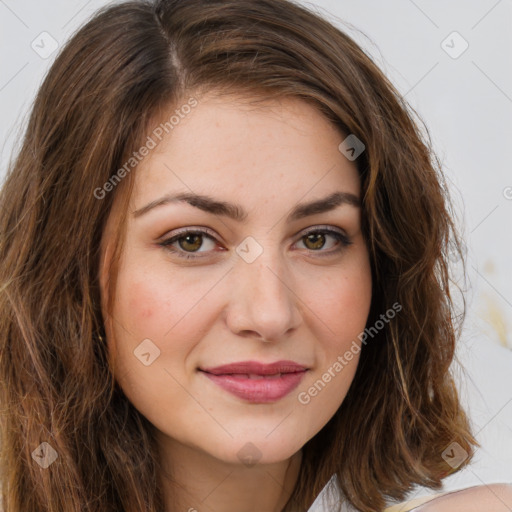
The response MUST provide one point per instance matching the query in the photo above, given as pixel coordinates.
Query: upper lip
(256, 368)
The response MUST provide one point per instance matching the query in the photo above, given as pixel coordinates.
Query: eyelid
(320, 227)
(191, 229)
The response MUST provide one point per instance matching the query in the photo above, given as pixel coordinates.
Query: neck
(194, 481)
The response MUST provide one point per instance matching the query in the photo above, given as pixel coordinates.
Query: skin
(289, 303)
(488, 498)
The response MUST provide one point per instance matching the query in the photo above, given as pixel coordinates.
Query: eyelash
(343, 240)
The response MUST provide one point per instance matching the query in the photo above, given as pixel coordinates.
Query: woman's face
(252, 287)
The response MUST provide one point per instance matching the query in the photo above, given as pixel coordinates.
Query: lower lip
(261, 390)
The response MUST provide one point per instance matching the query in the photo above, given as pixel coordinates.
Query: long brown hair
(125, 68)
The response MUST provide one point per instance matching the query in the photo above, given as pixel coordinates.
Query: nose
(263, 303)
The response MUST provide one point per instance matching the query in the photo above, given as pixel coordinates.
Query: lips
(255, 368)
(257, 382)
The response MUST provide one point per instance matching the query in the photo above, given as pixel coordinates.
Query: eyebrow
(237, 212)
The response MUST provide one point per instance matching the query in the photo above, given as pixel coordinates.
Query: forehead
(235, 145)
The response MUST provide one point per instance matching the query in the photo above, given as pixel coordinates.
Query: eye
(188, 242)
(315, 239)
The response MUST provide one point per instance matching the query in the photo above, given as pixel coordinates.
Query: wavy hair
(129, 64)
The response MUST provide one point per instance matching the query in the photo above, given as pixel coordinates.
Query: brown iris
(318, 240)
(192, 246)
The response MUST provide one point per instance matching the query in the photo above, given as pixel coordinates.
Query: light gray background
(466, 103)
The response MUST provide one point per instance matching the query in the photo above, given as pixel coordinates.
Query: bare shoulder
(488, 498)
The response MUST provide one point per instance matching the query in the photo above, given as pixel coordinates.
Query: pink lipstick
(257, 382)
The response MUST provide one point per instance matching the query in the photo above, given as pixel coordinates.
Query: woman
(306, 347)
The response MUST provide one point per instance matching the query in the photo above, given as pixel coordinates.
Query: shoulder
(491, 498)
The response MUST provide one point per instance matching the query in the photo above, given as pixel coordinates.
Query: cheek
(341, 304)
(343, 309)
(139, 307)
(342, 301)
(347, 304)
(167, 308)
(155, 304)
(148, 308)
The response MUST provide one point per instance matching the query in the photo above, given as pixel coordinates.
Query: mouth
(257, 382)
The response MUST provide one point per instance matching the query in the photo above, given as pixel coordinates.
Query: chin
(250, 450)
